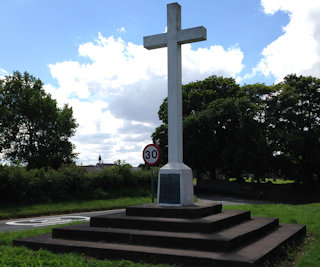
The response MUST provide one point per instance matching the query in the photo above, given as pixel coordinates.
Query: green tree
(293, 127)
(222, 128)
(33, 130)
(248, 150)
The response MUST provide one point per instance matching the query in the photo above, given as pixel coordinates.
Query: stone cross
(173, 39)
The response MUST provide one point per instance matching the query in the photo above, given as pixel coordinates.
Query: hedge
(17, 185)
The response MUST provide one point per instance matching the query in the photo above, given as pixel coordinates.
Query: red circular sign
(151, 154)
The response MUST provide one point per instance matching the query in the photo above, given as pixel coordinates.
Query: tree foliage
(254, 130)
(293, 118)
(33, 130)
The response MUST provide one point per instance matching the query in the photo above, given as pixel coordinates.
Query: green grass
(267, 180)
(14, 211)
(21, 256)
(301, 214)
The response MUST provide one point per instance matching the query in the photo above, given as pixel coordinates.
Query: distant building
(100, 165)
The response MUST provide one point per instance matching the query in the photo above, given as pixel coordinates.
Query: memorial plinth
(175, 181)
(175, 185)
(196, 235)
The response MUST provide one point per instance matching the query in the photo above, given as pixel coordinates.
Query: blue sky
(89, 54)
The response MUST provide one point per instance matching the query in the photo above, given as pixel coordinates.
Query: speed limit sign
(151, 154)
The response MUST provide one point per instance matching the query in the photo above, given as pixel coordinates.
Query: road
(29, 223)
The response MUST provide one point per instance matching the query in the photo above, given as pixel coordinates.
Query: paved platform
(198, 235)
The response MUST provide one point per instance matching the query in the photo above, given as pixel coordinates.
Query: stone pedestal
(175, 185)
(198, 235)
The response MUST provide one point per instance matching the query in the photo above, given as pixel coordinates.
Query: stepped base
(196, 210)
(218, 238)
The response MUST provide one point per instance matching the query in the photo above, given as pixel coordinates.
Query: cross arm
(192, 35)
(155, 41)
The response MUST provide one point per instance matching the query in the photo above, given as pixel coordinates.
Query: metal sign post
(151, 156)
(152, 184)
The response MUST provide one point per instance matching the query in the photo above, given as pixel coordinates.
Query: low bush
(14, 183)
(69, 182)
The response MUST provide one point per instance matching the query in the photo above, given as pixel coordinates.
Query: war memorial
(175, 229)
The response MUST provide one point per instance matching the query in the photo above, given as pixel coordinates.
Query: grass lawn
(14, 211)
(267, 180)
(18, 211)
(308, 254)
(21, 256)
(308, 214)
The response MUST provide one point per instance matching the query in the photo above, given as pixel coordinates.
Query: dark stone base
(197, 210)
(197, 235)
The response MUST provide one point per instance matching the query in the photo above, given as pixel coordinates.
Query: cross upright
(173, 39)
(175, 183)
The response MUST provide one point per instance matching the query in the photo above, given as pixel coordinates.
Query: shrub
(14, 184)
(69, 182)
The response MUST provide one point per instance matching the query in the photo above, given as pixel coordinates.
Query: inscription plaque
(169, 188)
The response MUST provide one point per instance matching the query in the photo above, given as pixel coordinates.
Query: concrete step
(206, 224)
(223, 240)
(197, 210)
(250, 254)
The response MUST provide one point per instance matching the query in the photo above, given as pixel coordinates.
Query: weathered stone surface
(193, 211)
(219, 238)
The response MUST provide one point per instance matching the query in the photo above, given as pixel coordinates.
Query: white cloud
(297, 50)
(3, 73)
(203, 62)
(116, 96)
(122, 29)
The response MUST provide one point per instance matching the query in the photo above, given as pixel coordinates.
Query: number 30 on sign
(151, 154)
